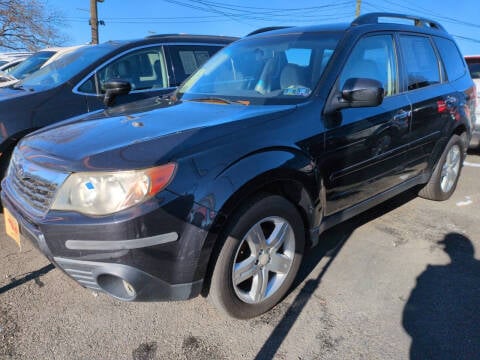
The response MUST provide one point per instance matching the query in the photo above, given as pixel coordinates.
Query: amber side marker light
(160, 177)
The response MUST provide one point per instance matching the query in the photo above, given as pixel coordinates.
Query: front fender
(217, 194)
(221, 189)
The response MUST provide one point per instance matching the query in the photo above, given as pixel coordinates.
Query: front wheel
(259, 259)
(444, 179)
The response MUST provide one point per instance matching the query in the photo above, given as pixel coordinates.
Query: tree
(29, 25)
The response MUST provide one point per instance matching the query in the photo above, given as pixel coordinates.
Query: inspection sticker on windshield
(297, 91)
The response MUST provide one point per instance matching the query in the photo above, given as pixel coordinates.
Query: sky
(127, 19)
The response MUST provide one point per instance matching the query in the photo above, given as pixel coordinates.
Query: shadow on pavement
(442, 313)
(30, 276)
(331, 242)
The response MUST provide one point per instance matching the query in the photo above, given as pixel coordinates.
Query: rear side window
(452, 60)
(420, 61)
(188, 58)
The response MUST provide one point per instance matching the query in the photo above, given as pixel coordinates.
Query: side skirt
(361, 207)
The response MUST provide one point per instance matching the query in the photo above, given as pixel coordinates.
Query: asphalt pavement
(401, 281)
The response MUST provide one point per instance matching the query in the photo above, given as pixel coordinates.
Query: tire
(445, 176)
(265, 239)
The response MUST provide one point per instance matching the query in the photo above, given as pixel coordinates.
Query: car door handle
(402, 115)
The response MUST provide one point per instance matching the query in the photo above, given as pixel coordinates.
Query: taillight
(441, 106)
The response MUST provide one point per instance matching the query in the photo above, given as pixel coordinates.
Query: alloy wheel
(450, 169)
(263, 259)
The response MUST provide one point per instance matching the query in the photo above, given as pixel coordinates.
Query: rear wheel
(444, 179)
(259, 258)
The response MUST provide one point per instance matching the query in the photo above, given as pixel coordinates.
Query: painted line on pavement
(467, 163)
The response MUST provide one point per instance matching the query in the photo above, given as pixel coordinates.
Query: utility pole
(94, 20)
(357, 10)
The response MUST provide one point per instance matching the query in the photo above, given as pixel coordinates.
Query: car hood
(100, 141)
(8, 92)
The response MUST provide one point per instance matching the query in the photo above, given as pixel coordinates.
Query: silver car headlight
(103, 193)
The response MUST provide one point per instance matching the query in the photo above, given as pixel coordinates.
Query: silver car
(473, 63)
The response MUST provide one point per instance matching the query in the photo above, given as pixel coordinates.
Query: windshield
(32, 64)
(272, 69)
(65, 67)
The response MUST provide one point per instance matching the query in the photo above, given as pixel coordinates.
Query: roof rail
(372, 18)
(162, 35)
(265, 29)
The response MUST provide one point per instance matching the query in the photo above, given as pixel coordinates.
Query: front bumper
(143, 254)
(125, 282)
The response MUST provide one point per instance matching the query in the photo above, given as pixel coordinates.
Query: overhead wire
(216, 11)
(431, 15)
(299, 15)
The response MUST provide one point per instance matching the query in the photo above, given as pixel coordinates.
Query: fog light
(117, 287)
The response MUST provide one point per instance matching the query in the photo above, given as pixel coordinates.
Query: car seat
(293, 75)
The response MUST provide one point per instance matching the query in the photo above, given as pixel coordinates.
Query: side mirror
(358, 92)
(113, 88)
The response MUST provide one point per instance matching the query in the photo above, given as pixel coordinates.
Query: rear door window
(186, 59)
(420, 61)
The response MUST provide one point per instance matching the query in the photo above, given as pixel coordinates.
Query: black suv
(220, 188)
(76, 83)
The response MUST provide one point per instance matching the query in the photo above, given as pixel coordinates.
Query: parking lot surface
(400, 281)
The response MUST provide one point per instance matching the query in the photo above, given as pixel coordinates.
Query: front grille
(36, 191)
(34, 185)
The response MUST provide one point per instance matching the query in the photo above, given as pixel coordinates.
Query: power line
(466, 38)
(227, 11)
(239, 13)
(429, 15)
(248, 12)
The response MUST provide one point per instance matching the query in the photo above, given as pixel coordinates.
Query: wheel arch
(287, 173)
(459, 129)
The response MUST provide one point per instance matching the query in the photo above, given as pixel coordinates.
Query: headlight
(102, 193)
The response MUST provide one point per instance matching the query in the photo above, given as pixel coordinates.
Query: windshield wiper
(18, 86)
(216, 99)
